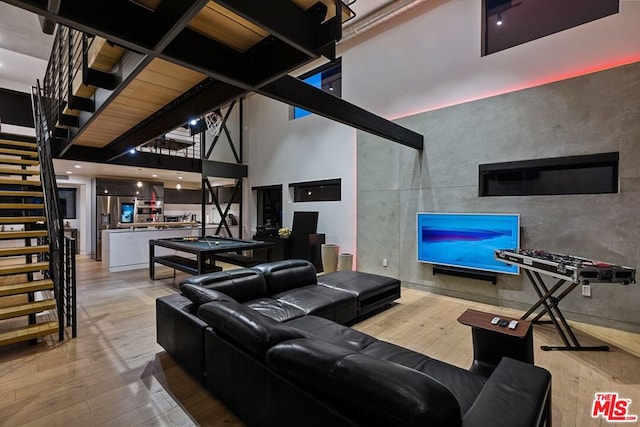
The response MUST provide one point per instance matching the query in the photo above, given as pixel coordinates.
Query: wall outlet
(384, 262)
(586, 290)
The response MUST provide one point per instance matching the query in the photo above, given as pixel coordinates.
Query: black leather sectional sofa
(270, 342)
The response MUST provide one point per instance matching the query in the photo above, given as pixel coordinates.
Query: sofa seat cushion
(247, 328)
(357, 282)
(465, 385)
(275, 309)
(333, 304)
(372, 291)
(242, 284)
(369, 390)
(334, 333)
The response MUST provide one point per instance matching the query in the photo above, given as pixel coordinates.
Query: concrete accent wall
(590, 114)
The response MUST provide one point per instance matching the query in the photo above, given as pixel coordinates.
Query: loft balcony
(123, 74)
(127, 72)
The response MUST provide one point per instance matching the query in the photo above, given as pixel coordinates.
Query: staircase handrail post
(54, 220)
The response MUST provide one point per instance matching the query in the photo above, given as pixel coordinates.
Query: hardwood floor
(115, 374)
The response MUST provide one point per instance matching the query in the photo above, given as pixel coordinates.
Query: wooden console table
(493, 342)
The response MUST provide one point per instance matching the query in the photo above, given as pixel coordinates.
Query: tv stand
(465, 272)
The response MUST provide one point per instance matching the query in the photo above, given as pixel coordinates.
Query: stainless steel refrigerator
(109, 212)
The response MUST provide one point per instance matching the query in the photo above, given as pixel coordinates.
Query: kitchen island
(128, 248)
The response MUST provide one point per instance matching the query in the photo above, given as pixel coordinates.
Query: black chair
(305, 241)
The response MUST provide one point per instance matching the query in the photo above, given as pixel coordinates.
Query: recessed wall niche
(589, 174)
(508, 23)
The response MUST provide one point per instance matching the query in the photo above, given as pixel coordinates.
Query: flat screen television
(467, 240)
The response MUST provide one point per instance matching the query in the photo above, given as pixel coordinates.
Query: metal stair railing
(61, 264)
(64, 64)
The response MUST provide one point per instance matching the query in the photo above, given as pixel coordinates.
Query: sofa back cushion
(242, 284)
(282, 276)
(245, 327)
(200, 295)
(370, 390)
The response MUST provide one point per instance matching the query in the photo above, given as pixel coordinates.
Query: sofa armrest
(200, 295)
(516, 394)
(181, 333)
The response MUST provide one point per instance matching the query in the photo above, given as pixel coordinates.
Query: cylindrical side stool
(345, 261)
(329, 257)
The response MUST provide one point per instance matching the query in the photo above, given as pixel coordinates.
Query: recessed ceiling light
(178, 186)
(155, 175)
(139, 184)
(133, 150)
(69, 172)
(179, 177)
(77, 166)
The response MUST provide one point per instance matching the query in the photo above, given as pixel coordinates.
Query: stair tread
(23, 182)
(28, 332)
(8, 235)
(16, 171)
(13, 143)
(23, 268)
(17, 310)
(23, 288)
(11, 161)
(21, 205)
(23, 250)
(20, 219)
(18, 193)
(14, 152)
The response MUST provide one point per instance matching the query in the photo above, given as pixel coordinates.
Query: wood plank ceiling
(162, 82)
(185, 58)
(156, 86)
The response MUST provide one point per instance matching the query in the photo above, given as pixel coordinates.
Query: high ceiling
(24, 49)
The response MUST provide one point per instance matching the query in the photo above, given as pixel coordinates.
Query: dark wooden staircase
(27, 302)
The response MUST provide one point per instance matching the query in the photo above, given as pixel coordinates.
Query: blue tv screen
(468, 240)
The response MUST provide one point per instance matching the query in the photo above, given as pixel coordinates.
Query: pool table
(204, 248)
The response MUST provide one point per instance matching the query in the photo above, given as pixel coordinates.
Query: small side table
(493, 342)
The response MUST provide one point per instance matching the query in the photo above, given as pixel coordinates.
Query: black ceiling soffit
(15, 108)
(291, 90)
(298, 37)
(139, 159)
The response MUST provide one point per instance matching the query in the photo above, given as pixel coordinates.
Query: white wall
(426, 59)
(311, 148)
(431, 58)
(19, 72)
(83, 209)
